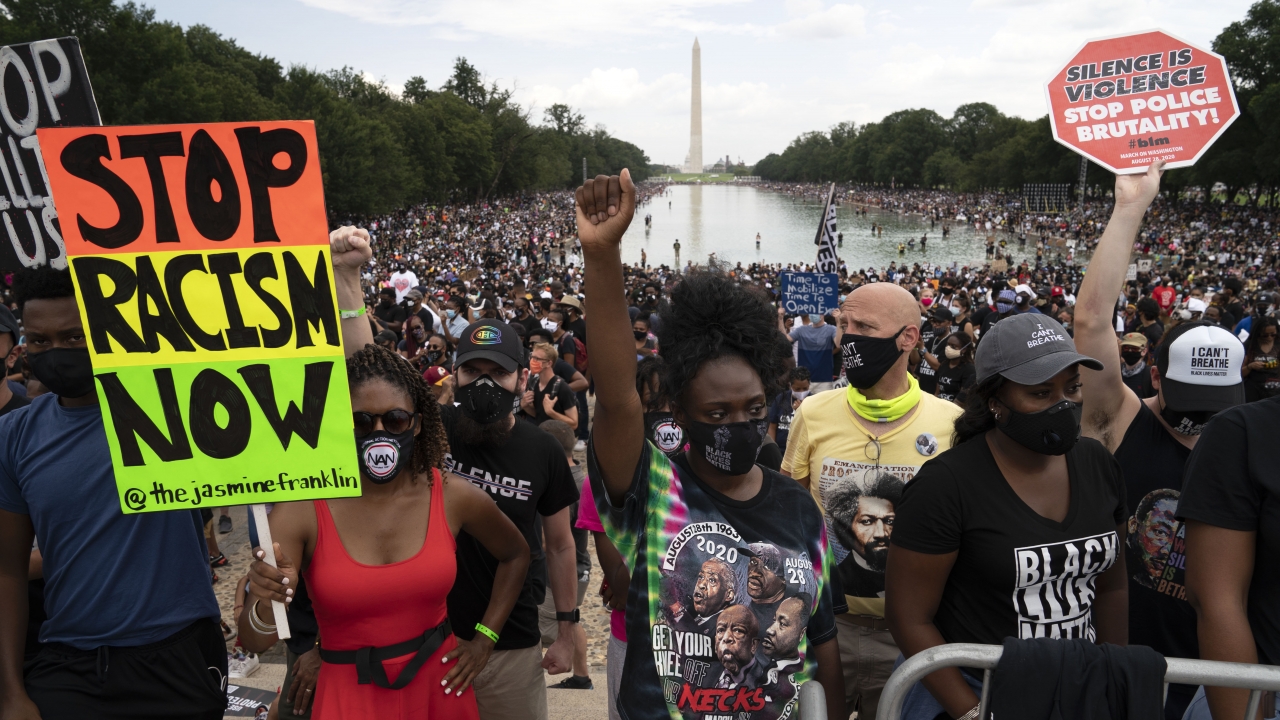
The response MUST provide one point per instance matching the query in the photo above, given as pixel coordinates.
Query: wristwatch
(572, 617)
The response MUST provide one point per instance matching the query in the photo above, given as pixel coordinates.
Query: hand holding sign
(1137, 191)
(275, 584)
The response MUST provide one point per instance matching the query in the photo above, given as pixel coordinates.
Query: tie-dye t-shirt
(727, 598)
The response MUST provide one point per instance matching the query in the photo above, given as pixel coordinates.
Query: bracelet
(257, 624)
(480, 628)
(972, 714)
(349, 314)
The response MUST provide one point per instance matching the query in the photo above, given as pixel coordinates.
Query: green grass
(704, 177)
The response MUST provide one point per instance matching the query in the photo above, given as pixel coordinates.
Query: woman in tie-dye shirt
(731, 605)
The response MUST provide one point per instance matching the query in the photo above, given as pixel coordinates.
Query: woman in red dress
(378, 567)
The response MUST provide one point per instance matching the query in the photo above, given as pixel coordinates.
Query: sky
(771, 69)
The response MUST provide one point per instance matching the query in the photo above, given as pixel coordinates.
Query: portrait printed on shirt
(1057, 585)
(861, 502)
(734, 616)
(1155, 544)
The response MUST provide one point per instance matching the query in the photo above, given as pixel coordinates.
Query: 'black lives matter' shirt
(1018, 574)
(1232, 481)
(528, 476)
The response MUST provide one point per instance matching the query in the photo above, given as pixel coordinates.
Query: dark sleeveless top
(1159, 614)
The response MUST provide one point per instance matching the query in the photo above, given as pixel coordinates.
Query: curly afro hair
(373, 362)
(709, 317)
(42, 283)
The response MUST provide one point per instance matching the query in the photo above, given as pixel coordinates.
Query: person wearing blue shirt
(132, 628)
(815, 345)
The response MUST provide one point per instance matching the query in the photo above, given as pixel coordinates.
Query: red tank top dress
(360, 605)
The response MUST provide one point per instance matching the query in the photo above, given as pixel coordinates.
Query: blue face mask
(815, 318)
(451, 313)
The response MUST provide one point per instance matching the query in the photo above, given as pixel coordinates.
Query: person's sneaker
(242, 666)
(218, 561)
(224, 524)
(580, 446)
(574, 682)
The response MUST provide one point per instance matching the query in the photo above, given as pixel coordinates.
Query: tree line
(980, 148)
(466, 140)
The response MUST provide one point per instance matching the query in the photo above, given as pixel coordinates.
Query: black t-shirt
(1153, 463)
(926, 374)
(1153, 333)
(1140, 382)
(1233, 482)
(565, 346)
(15, 402)
(564, 371)
(527, 476)
(781, 412)
(1018, 574)
(692, 547)
(559, 389)
(530, 323)
(390, 312)
(578, 328)
(954, 382)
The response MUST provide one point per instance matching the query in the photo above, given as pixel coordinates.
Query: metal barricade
(1258, 678)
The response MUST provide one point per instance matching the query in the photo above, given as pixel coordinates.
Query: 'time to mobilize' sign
(200, 255)
(809, 293)
(1125, 102)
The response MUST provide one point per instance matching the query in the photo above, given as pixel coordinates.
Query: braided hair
(373, 362)
(709, 317)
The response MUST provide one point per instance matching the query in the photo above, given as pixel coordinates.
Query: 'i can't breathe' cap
(1199, 368)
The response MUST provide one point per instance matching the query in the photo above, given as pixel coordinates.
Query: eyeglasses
(393, 421)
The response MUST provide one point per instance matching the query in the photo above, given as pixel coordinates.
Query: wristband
(572, 617)
(349, 314)
(480, 628)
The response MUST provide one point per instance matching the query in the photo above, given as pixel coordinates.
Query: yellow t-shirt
(856, 492)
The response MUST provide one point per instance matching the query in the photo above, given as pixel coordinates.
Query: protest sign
(245, 701)
(1132, 272)
(42, 84)
(809, 293)
(200, 255)
(1125, 102)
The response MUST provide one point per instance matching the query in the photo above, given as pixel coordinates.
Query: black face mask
(485, 401)
(640, 334)
(1186, 422)
(1049, 432)
(867, 359)
(67, 372)
(383, 455)
(1131, 358)
(732, 447)
(433, 356)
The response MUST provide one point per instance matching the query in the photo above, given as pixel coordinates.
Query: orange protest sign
(200, 255)
(1125, 102)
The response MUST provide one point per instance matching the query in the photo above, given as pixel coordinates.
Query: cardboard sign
(42, 84)
(244, 701)
(1126, 101)
(200, 255)
(809, 293)
(1132, 272)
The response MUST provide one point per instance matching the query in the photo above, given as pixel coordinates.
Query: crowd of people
(963, 453)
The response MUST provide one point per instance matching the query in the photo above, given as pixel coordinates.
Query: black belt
(368, 661)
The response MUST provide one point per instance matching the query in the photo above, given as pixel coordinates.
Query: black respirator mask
(1053, 431)
(485, 401)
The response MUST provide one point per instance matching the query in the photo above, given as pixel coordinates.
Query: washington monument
(693, 164)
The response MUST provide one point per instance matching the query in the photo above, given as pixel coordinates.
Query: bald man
(842, 441)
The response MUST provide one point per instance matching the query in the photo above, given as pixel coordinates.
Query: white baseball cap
(1199, 368)
(1196, 305)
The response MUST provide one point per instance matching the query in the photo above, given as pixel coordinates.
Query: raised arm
(349, 249)
(1108, 403)
(16, 534)
(604, 209)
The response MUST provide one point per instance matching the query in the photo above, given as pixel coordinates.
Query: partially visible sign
(809, 293)
(200, 255)
(44, 84)
(1144, 264)
(245, 701)
(1125, 102)
(1132, 273)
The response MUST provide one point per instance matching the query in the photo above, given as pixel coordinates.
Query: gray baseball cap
(1028, 349)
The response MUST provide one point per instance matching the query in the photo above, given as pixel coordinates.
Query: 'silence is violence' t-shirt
(727, 598)
(1018, 574)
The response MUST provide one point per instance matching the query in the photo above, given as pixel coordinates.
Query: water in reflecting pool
(724, 219)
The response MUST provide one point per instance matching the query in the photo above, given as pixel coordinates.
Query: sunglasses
(394, 421)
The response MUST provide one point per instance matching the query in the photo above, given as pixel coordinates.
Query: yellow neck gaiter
(885, 411)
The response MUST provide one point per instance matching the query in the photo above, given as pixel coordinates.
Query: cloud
(834, 22)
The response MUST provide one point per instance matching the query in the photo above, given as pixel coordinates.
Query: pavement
(561, 704)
